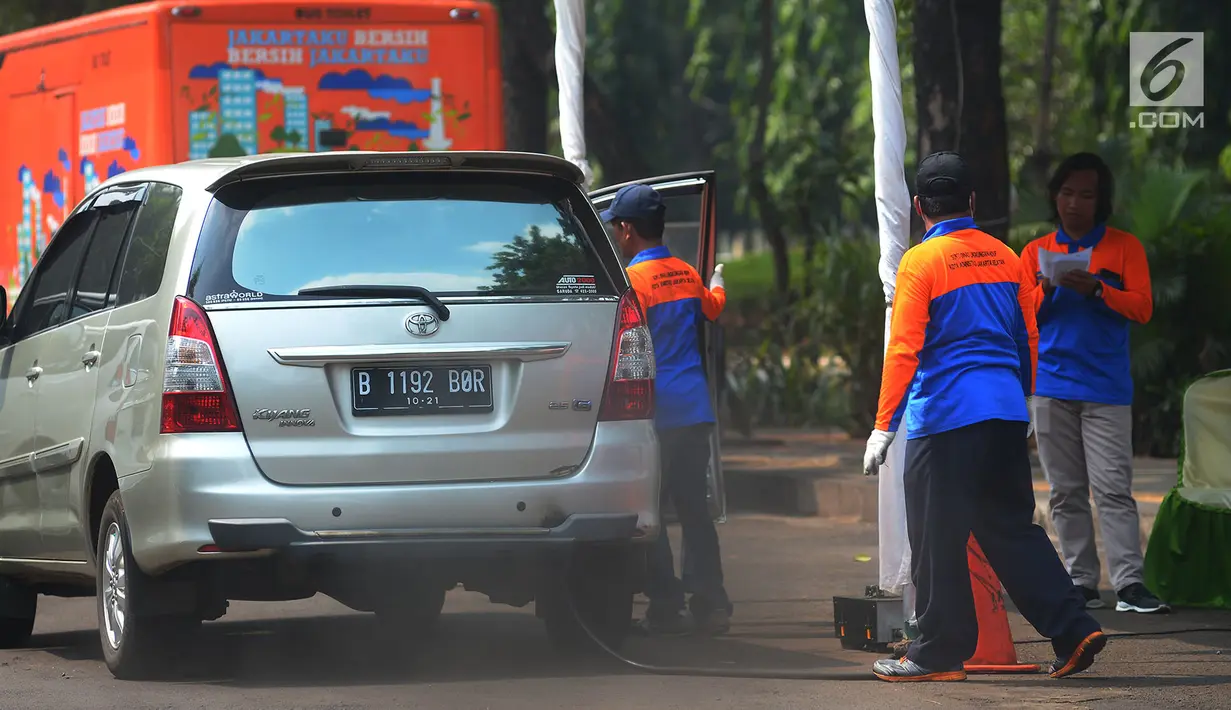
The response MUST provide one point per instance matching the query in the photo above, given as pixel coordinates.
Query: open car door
(690, 235)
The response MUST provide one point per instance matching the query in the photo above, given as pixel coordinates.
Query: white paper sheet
(1055, 264)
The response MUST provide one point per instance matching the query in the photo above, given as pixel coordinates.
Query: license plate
(424, 389)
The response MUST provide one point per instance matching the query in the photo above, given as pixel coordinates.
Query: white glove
(716, 279)
(1030, 413)
(874, 455)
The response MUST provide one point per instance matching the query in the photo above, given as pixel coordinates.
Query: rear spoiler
(410, 161)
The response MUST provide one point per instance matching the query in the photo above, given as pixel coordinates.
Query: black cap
(944, 174)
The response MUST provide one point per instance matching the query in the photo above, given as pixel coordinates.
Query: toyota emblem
(422, 324)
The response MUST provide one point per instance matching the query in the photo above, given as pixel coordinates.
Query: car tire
(595, 589)
(135, 645)
(18, 604)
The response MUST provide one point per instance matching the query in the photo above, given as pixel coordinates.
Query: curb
(792, 493)
(843, 496)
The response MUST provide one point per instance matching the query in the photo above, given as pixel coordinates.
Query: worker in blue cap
(676, 301)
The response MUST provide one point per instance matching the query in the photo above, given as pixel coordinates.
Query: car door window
(100, 258)
(146, 258)
(686, 200)
(47, 303)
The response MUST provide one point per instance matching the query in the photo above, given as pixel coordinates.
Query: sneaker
(1135, 597)
(906, 670)
(1080, 659)
(677, 624)
(1091, 595)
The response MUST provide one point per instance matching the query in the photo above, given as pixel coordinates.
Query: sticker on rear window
(576, 285)
(234, 296)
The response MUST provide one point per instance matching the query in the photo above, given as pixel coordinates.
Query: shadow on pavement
(1143, 681)
(348, 650)
(1198, 627)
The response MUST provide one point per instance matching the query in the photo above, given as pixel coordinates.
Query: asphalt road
(782, 574)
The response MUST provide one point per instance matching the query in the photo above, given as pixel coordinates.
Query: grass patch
(750, 279)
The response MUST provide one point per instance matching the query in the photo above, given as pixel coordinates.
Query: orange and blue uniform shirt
(676, 304)
(1083, 342)
(962, 339)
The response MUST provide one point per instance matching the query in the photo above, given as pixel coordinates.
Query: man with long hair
(1083, 410)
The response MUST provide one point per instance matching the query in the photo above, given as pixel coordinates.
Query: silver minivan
(374, 376)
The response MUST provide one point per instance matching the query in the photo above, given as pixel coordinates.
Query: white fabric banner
(570, 74)
(893, 218)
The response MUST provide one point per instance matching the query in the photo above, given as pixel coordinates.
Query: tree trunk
(959, 97)
(526, 47)
(771, 220)
(607, 140)
(1097, 65)
(809, 232)
(619, 155)
(938, 89)
(1041, 158)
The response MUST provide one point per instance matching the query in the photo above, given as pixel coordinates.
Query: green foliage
(534, 259)
(1224, 163)
(818, 169)
(826, 371)
(18, 15)
(1184, 223)
(227, 147)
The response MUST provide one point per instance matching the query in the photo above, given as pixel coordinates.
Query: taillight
(630, 389)
(195, 397)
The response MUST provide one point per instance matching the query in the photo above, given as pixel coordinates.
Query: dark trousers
(685, 456)
(977, 479)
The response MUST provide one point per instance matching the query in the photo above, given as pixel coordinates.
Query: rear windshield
(452, 234)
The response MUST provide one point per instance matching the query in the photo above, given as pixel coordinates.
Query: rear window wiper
(361, 291)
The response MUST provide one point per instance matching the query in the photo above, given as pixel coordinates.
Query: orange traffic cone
(995, 652)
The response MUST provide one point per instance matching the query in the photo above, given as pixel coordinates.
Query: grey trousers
(1087, 447)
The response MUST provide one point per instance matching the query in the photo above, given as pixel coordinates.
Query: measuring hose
(799, 674)
(704, 672)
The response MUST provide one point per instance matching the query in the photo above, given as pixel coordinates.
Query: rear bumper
(282, 535)
(205, 490)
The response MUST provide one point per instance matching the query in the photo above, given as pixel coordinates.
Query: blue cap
(634, 202)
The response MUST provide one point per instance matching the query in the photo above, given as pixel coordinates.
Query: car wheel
(136, 645)
(596, 590)
(17, 608)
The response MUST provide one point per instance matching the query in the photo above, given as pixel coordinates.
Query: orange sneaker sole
(1083, 657)
(946, 676)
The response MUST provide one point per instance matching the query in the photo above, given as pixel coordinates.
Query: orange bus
(165, 81)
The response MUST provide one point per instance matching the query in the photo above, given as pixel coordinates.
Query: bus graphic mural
(262, 90)
(409, 75)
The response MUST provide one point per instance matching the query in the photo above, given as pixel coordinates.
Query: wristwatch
(1098, 290)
